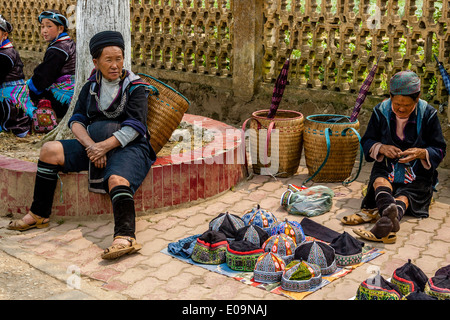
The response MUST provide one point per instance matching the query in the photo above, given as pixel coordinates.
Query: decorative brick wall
(241, 44)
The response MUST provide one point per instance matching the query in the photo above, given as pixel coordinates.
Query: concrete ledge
(202, 174)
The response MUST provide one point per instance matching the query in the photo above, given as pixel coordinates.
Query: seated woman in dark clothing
(110, 126)
(54, 78)
(404, 140)
(16, 108)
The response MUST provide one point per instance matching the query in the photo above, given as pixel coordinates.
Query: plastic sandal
(20, 225)
(367, 235)
(366, 215)
(118, 250)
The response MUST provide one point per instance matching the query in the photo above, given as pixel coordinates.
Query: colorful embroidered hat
(318, 253)
(260, 217)
(282, 245)
(254, 234)
(409, 278)
(348, 250)
(300, 276)
(269, 268)
(210, 248)
(227, 223)
(291, 228)
(439, 285)
(377, 288)
(242, 255)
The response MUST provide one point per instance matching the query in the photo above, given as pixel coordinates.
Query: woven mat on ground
(369, 253)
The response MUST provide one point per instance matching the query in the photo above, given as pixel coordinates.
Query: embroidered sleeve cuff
(32, 87)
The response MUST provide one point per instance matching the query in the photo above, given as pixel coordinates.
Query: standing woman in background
(16, 108)
(54, 78)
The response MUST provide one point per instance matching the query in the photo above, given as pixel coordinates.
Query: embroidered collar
(6, 44)
(62, 37)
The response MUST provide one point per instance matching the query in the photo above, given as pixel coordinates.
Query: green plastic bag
(310, 202)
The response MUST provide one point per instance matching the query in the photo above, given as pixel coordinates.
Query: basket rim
(166, 85)
(310, 118)
(255, 115)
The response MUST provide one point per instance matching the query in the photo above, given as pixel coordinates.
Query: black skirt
(419, 192)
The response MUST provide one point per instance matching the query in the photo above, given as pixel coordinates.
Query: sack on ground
(309, 202)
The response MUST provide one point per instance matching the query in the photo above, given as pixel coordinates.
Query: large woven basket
(332, 161)
(165, 112)
(290, 139)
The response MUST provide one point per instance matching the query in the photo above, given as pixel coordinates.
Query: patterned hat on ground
(269, 268)
(242, 255)
(318, 253)
(409, 278)
(282, 245)
(210, 248)
(290, 228)
(227, 223)
(418, 295)
(439, 285)
(348, 250)
(254, 234)
(300, 276)
(377, 288)
(260, 217)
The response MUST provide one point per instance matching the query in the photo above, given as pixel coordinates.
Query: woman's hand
(101, 162)
(412, 154)
(96, 151)
(389, 151)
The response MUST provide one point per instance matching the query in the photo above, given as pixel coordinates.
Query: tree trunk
(93, 16)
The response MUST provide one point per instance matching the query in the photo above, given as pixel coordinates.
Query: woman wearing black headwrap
(112, 142)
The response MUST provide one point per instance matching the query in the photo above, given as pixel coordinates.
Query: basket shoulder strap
(361, 154)
(328, 132)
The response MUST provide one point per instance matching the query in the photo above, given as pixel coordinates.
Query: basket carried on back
(289, 125)
(331, 144)
(165, 112)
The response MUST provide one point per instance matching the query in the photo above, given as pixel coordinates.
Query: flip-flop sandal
(366, 215)
(367, 235)
(118, 250)
(20, 225)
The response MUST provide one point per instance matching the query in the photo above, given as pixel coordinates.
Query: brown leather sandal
(20, 225)
(118, 250)
(368, 235)
(366, 215)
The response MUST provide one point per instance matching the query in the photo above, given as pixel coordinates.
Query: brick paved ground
(77, 244)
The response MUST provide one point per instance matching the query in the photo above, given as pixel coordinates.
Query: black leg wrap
(124, 212)
(44, 188)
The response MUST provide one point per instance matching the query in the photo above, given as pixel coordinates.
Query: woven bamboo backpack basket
(165, 112)
(290, 141)
(331, 145)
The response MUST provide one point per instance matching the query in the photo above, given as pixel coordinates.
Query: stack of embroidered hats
(408, 282)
